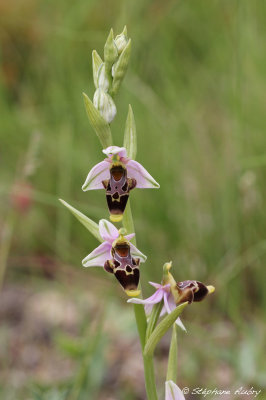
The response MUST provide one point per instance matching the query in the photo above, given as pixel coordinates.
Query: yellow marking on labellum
(116, 217)
(211, 289)
(132, 293)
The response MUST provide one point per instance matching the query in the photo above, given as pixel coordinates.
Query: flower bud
(110, 51)
(105, 104)
(121, 40)
(102, 79)
(96, 63)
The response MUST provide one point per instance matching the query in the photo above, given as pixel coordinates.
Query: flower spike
(118, 175)
(118, 256)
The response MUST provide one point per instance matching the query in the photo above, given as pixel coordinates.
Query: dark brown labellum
(191, 291)
(118, 188)
(124, 266)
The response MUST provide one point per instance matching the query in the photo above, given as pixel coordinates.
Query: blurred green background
(196, 82)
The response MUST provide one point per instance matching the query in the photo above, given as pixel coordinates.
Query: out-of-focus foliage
(196, 83)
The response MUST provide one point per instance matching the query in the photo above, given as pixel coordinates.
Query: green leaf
(162, 328)
(110, 52)
(120, 68)
(130, 136)
(84, 220)
(96, 63)
(172, 359)
(98, 123)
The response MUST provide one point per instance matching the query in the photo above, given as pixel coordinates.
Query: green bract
(86, 221)
(130, 136)
(98, 123)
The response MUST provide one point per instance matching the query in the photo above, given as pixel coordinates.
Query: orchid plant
(118, 174)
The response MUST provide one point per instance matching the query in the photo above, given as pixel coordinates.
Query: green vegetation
(196, 82)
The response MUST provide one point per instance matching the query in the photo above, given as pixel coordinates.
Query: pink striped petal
(154, 299)
(143, 178)
(173, 392)
(112, 150)
(97, 174)
(137, 253)
(108, 231)
(98, 256)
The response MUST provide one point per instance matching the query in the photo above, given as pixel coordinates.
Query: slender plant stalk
(142, 323)
(172, 359)
(150, 378)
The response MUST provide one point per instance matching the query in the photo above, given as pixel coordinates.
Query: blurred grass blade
(98, 123)
(162, 328)
(96, 62)
(84, 220)
(120, 68)
(130, 136)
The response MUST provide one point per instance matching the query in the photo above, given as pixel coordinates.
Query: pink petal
(112, 150)
(97, 174)
(163, 311)
(156, 285)
(173, 392)
(108, 231)
(98, 256)
(136, 253)
(143, 178)
(130, 236)
(171, 307)
(154, 299)
(165, 299)
(148, 308)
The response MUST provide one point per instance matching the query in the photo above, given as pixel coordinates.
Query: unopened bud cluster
(108, 73)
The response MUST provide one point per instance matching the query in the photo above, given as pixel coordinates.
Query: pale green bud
(110, 51)
(105, 104)
(96, 63)
(121, 40)
(102, 79)
(120, 68)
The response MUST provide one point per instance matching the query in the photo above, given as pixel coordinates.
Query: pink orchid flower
(163, 292)
(118, 256)
(118, 174)
(173, 392)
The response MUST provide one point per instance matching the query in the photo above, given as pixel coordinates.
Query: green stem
(141, 321)
(128, 222)
(172, 359)
(149, 378)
